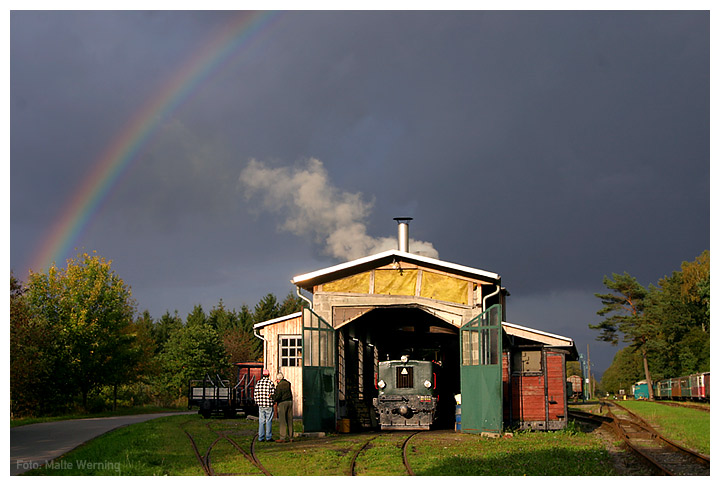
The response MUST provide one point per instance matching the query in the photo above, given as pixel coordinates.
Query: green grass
(325, 456)
(154, 448)
(562, 453)
(160, 447)
(687, 426)
(383, 456)
(122, 411)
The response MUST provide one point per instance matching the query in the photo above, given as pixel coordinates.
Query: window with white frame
(290, 351)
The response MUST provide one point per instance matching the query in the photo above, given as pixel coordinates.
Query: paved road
(35, 445)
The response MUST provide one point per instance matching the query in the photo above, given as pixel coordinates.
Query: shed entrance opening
(388, 333)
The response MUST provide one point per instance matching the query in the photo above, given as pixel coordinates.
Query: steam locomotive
(407, 394)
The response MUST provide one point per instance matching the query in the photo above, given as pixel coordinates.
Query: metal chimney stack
(403, 234)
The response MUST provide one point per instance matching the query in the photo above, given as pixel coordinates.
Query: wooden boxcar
(575, 387)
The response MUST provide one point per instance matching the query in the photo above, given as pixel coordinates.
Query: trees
(623, 311)
(74, 336)
(86, 309)
(164, 328)
(235, 330)
(290, 305)
(667, 326)
(266, 309)
(191, 351)
(35, 387)
(626, 370)
(679, 307)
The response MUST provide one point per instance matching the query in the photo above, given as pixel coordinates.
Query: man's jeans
(265, 417)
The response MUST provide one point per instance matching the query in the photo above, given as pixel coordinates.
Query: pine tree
(290, 305)
(266, 309)
(623, 310)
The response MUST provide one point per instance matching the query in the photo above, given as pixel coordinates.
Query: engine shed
(396, 303)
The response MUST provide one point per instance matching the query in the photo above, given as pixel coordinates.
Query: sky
(216, 154)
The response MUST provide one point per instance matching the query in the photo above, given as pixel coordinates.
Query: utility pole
(590, 383)
(583, 372)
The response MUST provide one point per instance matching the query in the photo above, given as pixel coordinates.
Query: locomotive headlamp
(427, 384)
(404, 358)
(381, 384)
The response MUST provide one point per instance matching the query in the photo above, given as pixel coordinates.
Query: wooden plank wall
(528, 393)
(506, 390)
(556, 385)
(293, 374)
(529, 398)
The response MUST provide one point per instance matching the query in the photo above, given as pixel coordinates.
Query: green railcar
(640, 390)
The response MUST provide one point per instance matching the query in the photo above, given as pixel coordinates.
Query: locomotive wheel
(206, 409)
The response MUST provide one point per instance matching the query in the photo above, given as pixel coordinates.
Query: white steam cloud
(312, 206)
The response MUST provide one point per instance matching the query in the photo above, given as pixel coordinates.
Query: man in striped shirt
(263, 396)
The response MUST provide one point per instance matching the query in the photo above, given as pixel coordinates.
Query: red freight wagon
(538, 393)
(575, 387)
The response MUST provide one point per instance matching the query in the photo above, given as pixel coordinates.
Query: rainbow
(122, 151)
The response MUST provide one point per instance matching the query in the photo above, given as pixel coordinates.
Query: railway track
(205, 459)
(661, 454)
(206, 462)
(404, 454)
(403, 448)
(357, 453)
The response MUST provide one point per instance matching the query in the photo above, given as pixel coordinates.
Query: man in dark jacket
(283, 397)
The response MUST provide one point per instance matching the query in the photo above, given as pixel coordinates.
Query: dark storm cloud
(550, 147)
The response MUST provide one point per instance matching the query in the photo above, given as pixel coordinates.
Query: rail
(659, 453)
(205, 460)
(406, 462)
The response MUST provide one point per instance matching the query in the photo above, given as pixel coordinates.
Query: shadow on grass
(548, 462)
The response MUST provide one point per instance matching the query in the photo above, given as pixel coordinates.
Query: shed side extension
(282, 344)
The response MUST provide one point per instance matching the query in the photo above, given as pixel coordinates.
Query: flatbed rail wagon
(213, 396)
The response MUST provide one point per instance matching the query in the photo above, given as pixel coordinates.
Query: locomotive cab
(407, 394)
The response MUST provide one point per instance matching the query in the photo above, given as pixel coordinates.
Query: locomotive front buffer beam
(399, 412)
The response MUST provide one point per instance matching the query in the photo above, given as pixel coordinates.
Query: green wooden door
(319, 390)
(481, 373)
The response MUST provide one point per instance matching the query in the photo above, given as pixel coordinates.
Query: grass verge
(115, 413)
(687, 426)
(560, 453)
(161, 447)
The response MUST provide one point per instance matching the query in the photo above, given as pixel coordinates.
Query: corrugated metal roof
(393, 253)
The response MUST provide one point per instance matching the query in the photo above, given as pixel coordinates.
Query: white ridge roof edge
(433, 261)
(524, 328)
(277, 319)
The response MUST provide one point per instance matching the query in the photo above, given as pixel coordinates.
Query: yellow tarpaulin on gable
(395, 282)
(442, 287)
(358, 284)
